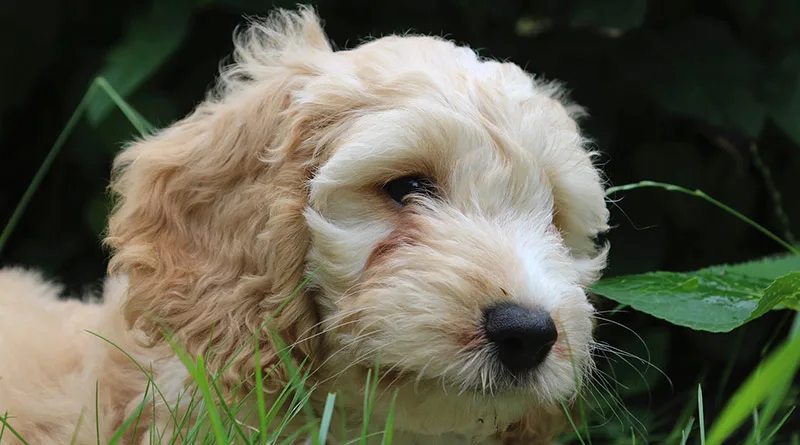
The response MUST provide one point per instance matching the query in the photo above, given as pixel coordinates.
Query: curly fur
(275, 180)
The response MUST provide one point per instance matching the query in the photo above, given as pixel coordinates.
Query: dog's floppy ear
(208, 222)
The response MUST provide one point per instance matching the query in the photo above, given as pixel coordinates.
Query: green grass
(758, 410)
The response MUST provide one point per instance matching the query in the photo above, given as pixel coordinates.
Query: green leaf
(769, 267)
(716, 299)
(772, 374)
(784, 292)
(150, 41)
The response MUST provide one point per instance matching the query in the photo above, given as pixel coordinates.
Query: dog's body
(404, 203)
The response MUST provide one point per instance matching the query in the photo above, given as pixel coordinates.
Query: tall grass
(204, 415)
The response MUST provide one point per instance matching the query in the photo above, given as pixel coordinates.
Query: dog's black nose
(522, 336)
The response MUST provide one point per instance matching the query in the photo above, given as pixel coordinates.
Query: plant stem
(703, 195)
(137, 120)
(45, 167)
(774, 194)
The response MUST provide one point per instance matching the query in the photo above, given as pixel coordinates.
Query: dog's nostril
(522, 336)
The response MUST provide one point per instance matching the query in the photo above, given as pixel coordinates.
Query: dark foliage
(704, 94)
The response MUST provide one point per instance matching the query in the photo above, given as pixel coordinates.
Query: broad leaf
(769, 267)
(150, 41)
(717, 299)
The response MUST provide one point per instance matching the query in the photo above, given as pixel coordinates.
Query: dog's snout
(522, 336)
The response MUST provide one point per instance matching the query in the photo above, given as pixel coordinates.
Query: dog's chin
(528, 384)
(496, 383)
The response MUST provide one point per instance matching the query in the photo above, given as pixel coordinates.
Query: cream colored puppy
(405, 202)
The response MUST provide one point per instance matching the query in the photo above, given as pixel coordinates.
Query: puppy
(404, 205)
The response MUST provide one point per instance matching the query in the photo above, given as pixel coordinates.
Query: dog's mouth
(479, 372)
(512, 350)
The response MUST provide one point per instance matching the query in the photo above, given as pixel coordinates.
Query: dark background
(703, 94)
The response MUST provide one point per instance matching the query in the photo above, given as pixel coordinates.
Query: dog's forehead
(424, 72)
(442, 105)
(459, 70)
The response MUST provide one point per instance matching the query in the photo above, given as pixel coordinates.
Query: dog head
(404, 202)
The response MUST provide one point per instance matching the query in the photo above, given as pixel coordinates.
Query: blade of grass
(242, 404)
(795, 329)
(756, 427)
(149, 375)
(269, 319)
(327, 414)
(278, 404)
(783, 420)
(388, 431)
(133, 417)
(138, 413)
(572, 423)
(685, 418)
(368, 436)
(772, 404)
(701, 415)
(576, 373)
(299, 378)
(200, 377)
(370, 394)
(74, 438)
(686, 431)
(194, 432)
(197, 370)
(365, 417)
(7, 426)
(136, 119)
(262, 406)
(179, 427)
(96, 410)
(230, 414)
(780, 367)
(45, 166)
(704, 196)
(299, 404)
(3, 426)
(292, 439)
(154, 421)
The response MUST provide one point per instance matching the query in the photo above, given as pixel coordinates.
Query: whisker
(616, 323)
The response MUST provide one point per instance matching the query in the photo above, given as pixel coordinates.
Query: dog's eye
(401, 188)
(600, 239)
